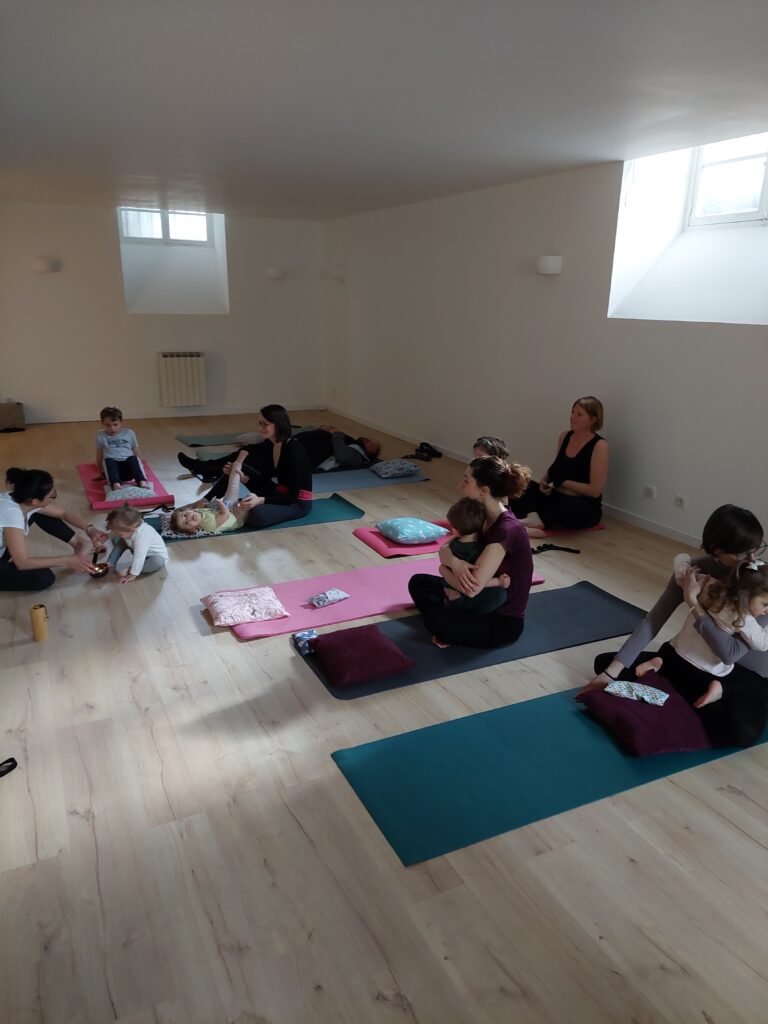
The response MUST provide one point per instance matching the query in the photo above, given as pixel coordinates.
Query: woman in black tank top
(569, 495)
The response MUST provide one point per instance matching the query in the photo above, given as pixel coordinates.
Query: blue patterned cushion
(407, 530)
(394, 467)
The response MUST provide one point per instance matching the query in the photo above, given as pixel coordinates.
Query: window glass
(187, 227)
(141, 223)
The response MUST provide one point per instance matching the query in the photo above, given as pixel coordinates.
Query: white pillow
(253, 604)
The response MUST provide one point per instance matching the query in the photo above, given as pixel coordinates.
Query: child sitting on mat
(117, 451)
(137, 549)
(734, 604)
(467, 518)
(218, 515)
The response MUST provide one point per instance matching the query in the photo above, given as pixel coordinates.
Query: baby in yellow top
(218, 516)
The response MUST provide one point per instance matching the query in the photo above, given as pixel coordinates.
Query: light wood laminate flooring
(178, 847)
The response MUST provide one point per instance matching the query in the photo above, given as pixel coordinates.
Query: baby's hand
(220, 505)
(125, 577)
(504, 580)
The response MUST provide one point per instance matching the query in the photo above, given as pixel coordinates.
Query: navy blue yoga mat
(451, 785)
(555, 619)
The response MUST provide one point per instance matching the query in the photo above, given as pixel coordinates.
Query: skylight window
(173, 227)
(729, 182)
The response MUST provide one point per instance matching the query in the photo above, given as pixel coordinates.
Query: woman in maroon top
(507, 550)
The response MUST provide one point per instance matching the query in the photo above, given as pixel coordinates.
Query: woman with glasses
(278, 473)
(731, 537)
(31, 491)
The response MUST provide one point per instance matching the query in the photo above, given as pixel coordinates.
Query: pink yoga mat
(374, 538)
(94, 490)
(378, 590)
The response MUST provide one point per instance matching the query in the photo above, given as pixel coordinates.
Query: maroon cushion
(647, 728)
(352, 656)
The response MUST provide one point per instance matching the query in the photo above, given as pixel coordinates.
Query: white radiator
(181, 376)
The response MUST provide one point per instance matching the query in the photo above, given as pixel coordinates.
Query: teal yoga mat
(451, 785)
(566, 617)
(324, 510)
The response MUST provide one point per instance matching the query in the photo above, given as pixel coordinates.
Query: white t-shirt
(10, 515)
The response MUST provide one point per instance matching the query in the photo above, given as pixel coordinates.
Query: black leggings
(569, 511)
(12, 578)
(53, 526)
(267, 514)
(456, 626)
(738, 719)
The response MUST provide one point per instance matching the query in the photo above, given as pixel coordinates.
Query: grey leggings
(152, 563)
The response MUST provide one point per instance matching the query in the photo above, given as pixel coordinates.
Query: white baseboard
(651, 526)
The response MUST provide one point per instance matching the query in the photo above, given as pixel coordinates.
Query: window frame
(164, 225)
(758, 217)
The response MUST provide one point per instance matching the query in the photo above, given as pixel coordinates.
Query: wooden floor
(177, 846)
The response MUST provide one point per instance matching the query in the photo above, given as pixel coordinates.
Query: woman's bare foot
(439, 643)
(712, 693)
(652, 665)
(504, 580)
(535, 532)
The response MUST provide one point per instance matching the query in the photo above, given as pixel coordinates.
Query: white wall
(445, 332)
(68, 346)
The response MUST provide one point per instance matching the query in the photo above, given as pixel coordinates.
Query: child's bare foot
(712, 693)
(652, 665)
(504, 580)
(439, 643)
(145, 484)
(113, 487)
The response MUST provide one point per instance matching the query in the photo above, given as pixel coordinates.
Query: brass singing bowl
(99, 570)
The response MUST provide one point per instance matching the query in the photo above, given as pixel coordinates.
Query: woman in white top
(32, 490)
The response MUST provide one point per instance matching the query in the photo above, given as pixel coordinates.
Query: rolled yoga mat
(324, 510)
(451, 785)
(555, 619)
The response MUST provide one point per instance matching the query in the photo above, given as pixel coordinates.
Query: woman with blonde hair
(569, 495)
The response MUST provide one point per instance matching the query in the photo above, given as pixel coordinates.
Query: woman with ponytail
(31, 491)
(507, 551)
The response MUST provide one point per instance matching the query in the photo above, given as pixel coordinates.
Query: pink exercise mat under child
(377, 590)
(94, 490)
(374, 538)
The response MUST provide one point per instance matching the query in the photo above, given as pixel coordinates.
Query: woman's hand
(463, 573)
(250, 501)
(691, 583)
(545, 486)
(97, 537)
(601, 680)
(81, 563)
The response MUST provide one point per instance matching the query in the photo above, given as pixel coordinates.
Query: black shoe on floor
(191, 465)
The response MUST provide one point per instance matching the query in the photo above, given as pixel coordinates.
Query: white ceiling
(323, 108)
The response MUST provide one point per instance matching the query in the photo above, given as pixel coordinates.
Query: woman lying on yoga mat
(328, 448)
(569, 495)
(277, 473)
(33, 492)
(731, 537)
(506, 550)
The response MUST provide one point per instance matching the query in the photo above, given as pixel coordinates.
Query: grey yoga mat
(567, 617)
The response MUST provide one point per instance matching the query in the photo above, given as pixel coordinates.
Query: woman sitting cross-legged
(32, 491)
(569, 495)
(506, 552)
(278, 473)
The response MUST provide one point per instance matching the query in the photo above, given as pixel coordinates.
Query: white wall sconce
(549, 265)
(41, 265)
(274, 273)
